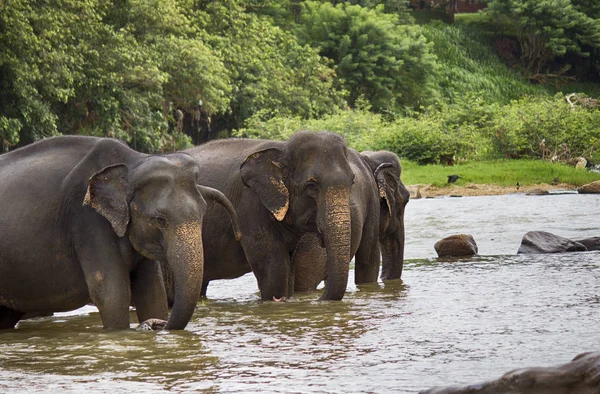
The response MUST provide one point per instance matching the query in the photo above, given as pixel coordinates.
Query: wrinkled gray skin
(378, 201)
(280, 191)
(83, 220)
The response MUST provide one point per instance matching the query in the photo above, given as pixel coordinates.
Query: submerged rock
(544, 242)
(590, 188)
(456, 245)
(590, 243)
(580, 376)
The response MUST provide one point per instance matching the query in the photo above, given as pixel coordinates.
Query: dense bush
(517, 130)
(469, 129)
(426, 139)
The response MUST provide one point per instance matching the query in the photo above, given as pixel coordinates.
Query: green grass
(468, 63)
(497, 172)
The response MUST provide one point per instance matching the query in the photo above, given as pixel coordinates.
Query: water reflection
(448, 321)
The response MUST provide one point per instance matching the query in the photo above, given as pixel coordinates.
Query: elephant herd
(88, 219)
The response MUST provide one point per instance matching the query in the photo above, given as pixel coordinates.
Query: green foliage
(427, 139)
(376, 57)
(518, 129)
(270, 71)
(468, 129)
(497, 172)
(589, 7)
(120, 69)
(65, 69)
(9, 132)
(549, 28)
(468, 63)
(38, 66)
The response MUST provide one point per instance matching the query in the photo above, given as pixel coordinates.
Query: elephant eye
(311, 188)
(160, 221)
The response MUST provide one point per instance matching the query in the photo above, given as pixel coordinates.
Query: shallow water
(446, 322)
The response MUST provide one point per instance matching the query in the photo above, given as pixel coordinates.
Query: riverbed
(446, 322)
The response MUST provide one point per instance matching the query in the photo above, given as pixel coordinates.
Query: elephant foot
(282, 299)
(152, 325)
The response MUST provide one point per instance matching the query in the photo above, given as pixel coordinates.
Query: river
(447, 322)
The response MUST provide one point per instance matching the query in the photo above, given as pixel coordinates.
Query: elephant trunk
(215, 195)
(392, 252)
(392, 243)
(186, 260)
(336, 231)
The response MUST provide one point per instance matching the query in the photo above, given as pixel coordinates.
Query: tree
(376, 57)
(104, 68)
(270, 71)
(548, 29)
(41, 63)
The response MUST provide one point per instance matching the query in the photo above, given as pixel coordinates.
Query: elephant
(86, 219)
(380, 184)
(280, 190)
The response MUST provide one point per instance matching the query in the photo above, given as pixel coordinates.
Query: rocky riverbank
(428, 191)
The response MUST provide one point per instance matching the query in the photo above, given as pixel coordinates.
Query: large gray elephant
(280, 191)
(394, 196)
(378, 188)
(84, 218)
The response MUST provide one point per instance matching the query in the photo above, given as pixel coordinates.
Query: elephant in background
(381, 182)
(83, 220)
(280, 190)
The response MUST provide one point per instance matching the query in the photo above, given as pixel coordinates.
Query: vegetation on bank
(521, 80)
(497, 172)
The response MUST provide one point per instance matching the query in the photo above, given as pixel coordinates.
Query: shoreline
(429, 191)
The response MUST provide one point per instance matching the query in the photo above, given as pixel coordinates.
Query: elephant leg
(9, 317)
(270, 261)
(107, 278)
(204, 289)
(367, 260)
(148, 292)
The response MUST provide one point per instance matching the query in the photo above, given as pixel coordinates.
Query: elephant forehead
(174, 167)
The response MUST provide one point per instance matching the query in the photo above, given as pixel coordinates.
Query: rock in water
(535, 242)
(580, 376)
(590, 188)
(456, 245)
(590, 243)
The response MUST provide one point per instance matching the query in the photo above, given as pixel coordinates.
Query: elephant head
(305, 184)
(159, 207)
(394, 197)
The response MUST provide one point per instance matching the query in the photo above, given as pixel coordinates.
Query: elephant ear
(261, 173)
(383, 176)
(108, 193)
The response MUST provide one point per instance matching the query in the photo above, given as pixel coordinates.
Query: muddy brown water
(447, 322)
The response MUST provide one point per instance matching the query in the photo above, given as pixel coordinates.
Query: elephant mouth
(282, 299)
(149, 251)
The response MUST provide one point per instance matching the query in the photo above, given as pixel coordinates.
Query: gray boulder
(580, 376)
(590, 243)
(590, 188)
(456, 245)
(544, 242)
